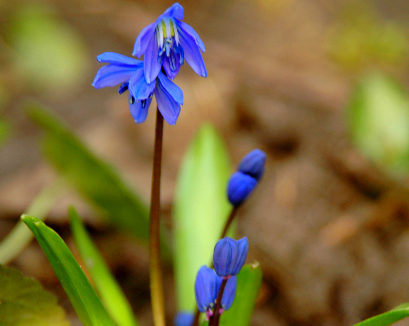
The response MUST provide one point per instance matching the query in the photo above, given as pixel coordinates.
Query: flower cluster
(165, 44)
(228, 258)
(249, 172)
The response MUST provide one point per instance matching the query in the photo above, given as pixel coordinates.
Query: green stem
(20, 236)
(154, 229)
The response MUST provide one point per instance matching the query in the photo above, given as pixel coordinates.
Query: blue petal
(225, 256)
(184, 319)
(192, 53)
(142, 41)
(171, 88)
(152, 62)
(167, 106)
(111, 75)
(253, 164)
(176, 10)
(118, 59)
(171, 73)
(189, 30)
(240, 187)
(243, 249)
(139, 108)
(138, 86)
(229, 293)
(205, 288)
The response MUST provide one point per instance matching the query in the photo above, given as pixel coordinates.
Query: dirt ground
(330, 230)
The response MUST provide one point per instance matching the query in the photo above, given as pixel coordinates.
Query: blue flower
(168, 42)
(229, 256)
(184, 319)
(242, 183)
(207, 288)
(240, 186)
(129, 73)
(253, 164)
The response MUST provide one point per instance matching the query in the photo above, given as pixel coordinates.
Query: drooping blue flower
(229, 256)
(242, 183)
(240, 187)
(167, 43)
(184, 319)
(129, 73)
(253, 164)
(207, 286)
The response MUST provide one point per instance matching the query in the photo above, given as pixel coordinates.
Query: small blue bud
(206, 288)
(230, 255)
(240, 187)
(229, 292)
(253, 164)
(184, 319)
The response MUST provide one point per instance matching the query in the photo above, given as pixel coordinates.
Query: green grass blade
(76, 285)
(248, 285)
(19, 237)
(92, 177)
(200, 210)
(110, 293)
(387, 318)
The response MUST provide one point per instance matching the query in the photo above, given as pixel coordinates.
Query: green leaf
(248, 285)
(92, 177)
(111, 294)
(200, 211)
(378, 119)
(5, 130)
(387, 318)
(76, 285)
(19, 237)
(23, 302)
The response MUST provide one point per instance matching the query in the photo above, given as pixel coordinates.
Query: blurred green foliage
(387, 318)
(378, 119)
(50, 54)
(23, 302)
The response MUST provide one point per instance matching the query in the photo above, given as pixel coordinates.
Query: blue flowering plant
(207, 198)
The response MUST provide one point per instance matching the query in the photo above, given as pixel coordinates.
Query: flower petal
(189, 30)
(184, 318)
(138, 86)
(253, 164)
(205, 288)
(171, 73)
(192, 53)
(225, 256)
(229, 293)
(167, 106)
(139, 108)
(142, 41)
(112, 75)
(152, 62)
(176, 10)
(118, 59)
(171, 88)
(243, 249)
(240, 187)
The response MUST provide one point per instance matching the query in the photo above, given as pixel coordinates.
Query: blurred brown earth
(329, 230)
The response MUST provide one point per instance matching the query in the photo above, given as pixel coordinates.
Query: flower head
(229, 256)
(207, 288)
(167, 43)
(184, 319)
(129, 73)
(249, 172)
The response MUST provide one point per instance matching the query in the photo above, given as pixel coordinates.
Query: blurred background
(319, 85)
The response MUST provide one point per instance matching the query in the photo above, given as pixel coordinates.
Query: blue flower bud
(206, 288)
(230, 255)
(253, 164)
(184, 319)
(240, 187)
(229, 292)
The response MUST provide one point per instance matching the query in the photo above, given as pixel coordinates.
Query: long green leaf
(110, 292)
(92, 177)
(200, 210)
(23, 302)
(79, 290)
(248, 285)
(387, 318)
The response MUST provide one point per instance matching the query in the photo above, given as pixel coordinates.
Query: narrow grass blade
(387, 318)
(79, 290)
(109, 291)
